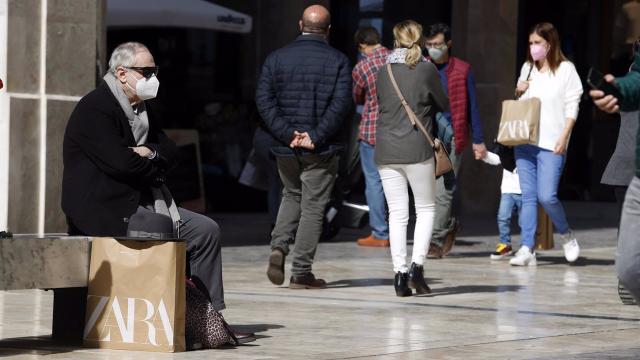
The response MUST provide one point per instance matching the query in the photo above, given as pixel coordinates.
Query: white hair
(125, 55)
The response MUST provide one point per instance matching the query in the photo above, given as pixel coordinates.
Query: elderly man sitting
(115, 157)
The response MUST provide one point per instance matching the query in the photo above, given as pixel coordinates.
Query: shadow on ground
(472, 289)
(34, 345)
(370, 282)
(582, 261)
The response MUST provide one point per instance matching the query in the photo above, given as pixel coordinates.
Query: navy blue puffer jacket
(305, 87)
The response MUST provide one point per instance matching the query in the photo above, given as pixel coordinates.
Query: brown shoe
(372, 241)
(275, 271)
(450, 239)
(435, 251)
(307, 281)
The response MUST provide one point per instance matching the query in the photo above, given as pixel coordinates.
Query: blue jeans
(540, 171)
(374, 193)
(508, 203)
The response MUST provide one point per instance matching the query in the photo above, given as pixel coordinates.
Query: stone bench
(55, 262)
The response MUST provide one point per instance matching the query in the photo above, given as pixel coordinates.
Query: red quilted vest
(457, 73)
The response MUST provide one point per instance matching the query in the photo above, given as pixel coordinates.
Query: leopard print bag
(205, 327)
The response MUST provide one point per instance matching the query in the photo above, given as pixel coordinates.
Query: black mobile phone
(596, 80)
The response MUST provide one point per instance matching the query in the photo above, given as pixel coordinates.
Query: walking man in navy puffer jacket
(303, 96)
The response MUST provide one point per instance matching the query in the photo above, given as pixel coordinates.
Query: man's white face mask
(146, 88)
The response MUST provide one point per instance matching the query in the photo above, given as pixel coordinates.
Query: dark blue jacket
(305, 86)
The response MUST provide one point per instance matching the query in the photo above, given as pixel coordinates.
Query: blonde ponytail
(408, 34)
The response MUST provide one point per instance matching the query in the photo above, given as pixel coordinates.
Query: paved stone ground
(478, 309)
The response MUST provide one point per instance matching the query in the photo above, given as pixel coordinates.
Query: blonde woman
(403, 154)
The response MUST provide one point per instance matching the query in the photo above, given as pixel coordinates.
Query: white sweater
(510, 180)
(559, 95)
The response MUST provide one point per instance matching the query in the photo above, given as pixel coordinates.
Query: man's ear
(121, 74)
(300, 25)
(449, 44)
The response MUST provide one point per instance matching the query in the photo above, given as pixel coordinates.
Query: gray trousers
(628, 253)
(308, 182)
(446, 187)
(204, 257)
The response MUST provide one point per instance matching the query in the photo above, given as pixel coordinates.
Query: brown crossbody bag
(440, 155)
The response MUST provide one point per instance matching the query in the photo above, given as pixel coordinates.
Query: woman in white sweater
(549, 76)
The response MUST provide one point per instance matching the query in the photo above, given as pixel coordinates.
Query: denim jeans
(540, 171)
(508, 203)
(374, 193)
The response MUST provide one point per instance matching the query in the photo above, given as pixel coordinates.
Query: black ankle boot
(402, 289)
(416, 279)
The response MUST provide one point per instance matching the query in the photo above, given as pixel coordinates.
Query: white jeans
(421, 178)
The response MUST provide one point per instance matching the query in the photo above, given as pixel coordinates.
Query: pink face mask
(538, 52)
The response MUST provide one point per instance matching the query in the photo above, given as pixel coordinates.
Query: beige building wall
(49, 48)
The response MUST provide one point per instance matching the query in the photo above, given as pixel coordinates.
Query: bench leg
(69, 306)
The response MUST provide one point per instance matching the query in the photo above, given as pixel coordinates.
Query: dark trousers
(203, 251)
(308, 182)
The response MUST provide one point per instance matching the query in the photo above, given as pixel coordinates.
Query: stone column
(484, 33)
(50, 54)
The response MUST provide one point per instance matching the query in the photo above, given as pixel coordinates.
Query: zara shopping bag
(520, 121)
(136, 297)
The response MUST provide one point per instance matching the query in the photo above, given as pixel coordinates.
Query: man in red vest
(453, 129)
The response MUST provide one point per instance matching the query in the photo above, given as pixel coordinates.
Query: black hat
(149, 225)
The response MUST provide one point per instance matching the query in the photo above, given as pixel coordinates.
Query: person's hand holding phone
(606, 103)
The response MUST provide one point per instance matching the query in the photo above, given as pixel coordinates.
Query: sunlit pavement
(478, 309)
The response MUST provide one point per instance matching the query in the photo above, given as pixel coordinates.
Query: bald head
(315, 19)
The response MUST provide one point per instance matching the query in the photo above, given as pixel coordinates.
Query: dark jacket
(305, 86)
(621, 167)
(397, 141)
(629, 86)
(103, 178)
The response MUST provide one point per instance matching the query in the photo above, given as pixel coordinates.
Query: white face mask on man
(436, 53)
(146, 88)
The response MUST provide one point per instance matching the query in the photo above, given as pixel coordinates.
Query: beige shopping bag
(519, 122)
(136, 298)
(544, 231)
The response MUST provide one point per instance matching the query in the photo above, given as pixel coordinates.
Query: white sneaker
(524, 257)
(570, 247)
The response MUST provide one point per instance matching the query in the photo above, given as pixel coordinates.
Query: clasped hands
(143, 151)
(302, 140)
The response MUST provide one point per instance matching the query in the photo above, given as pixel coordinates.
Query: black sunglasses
(146, 71)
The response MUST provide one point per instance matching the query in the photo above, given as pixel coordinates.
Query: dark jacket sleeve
(338, 108)
(267, 104)
(167, 153)
(630, 86)
(94, 131)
